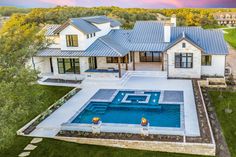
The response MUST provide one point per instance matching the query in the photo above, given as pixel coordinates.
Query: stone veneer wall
(174, 147)
(194, 72)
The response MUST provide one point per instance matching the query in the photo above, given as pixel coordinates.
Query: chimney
(167, 29)
(173, 20)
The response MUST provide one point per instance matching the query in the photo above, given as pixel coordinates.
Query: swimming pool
(128, 107)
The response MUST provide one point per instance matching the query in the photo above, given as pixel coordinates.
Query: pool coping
(159, 130)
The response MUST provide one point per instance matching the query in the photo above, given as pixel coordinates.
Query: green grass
(51, 94)
(230, 37)
(227, 121)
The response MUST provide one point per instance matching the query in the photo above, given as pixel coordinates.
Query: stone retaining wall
(174, 147)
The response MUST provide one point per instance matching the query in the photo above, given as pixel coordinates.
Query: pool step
(98, 108)
(139, 106)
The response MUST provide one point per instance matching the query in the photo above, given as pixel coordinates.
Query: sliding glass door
(92, 63)
(68, 66)
(150, 56)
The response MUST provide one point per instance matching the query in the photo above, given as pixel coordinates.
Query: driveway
(231, 60)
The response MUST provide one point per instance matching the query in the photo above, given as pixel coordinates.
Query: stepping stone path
(30, 147)
(24, 154)
(36, 140)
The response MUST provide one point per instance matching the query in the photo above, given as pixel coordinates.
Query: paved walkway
(231, 60)
(51, 125)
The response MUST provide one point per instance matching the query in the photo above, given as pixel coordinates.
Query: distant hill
(8, 11)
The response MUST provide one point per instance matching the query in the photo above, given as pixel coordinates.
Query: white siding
(194, 72)
(217, 67)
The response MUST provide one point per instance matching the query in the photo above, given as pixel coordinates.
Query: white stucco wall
(41, 64)
(55, 40)
(217, 66)
(83, 42)
(194, 72)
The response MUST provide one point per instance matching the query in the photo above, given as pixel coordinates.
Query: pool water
(158, 115)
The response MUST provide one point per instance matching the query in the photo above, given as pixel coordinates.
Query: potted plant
(95, 120)
(144, 122)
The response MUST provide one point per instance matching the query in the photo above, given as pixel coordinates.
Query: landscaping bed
(121, 136)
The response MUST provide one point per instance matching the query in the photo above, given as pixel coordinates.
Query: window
(91, 35)
(115, 59)
(206, 60)
(68, 66)
(183, 60)
(92, 63)
(72, 40)
(183, 45)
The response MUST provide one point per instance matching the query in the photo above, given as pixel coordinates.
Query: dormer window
(72, 40)
(91, 35)
(183, 45)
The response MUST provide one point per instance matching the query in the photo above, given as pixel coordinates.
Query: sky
(123, 3)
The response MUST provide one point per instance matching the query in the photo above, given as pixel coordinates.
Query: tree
(18, 41)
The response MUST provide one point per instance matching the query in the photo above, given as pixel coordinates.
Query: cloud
(61, 2)
(123, 3)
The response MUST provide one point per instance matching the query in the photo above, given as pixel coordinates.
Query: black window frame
(183, 45)
(72, 61)
(206, 63)
(72, 40)
(183, 60)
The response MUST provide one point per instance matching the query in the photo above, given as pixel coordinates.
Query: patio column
(162, 67)
(133, 56)
(119, 68)
(126, 62)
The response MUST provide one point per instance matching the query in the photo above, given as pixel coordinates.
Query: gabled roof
(49, 29)
(181, 37)
(101, 20)
(211, 41)
(80, 24)
(148, 32)
(102, 47)
(86, 24)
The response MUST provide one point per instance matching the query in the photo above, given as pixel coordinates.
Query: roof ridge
(109, 46)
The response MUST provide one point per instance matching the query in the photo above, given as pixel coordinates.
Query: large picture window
(183, 60)
(206, 60)
(72, 40)
(68, 66)
(115, 59)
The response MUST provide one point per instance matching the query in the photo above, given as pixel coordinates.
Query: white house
(98, 47)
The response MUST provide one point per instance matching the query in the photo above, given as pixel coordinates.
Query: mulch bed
(221, 145)
(204, 127)
(121, 136)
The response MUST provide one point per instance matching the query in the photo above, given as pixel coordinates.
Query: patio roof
(102, 47)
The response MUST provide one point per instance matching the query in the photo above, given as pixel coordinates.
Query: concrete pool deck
(52, 124)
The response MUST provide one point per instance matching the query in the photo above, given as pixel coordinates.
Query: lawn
(227, 121)
(51, 94)
(230, 37)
